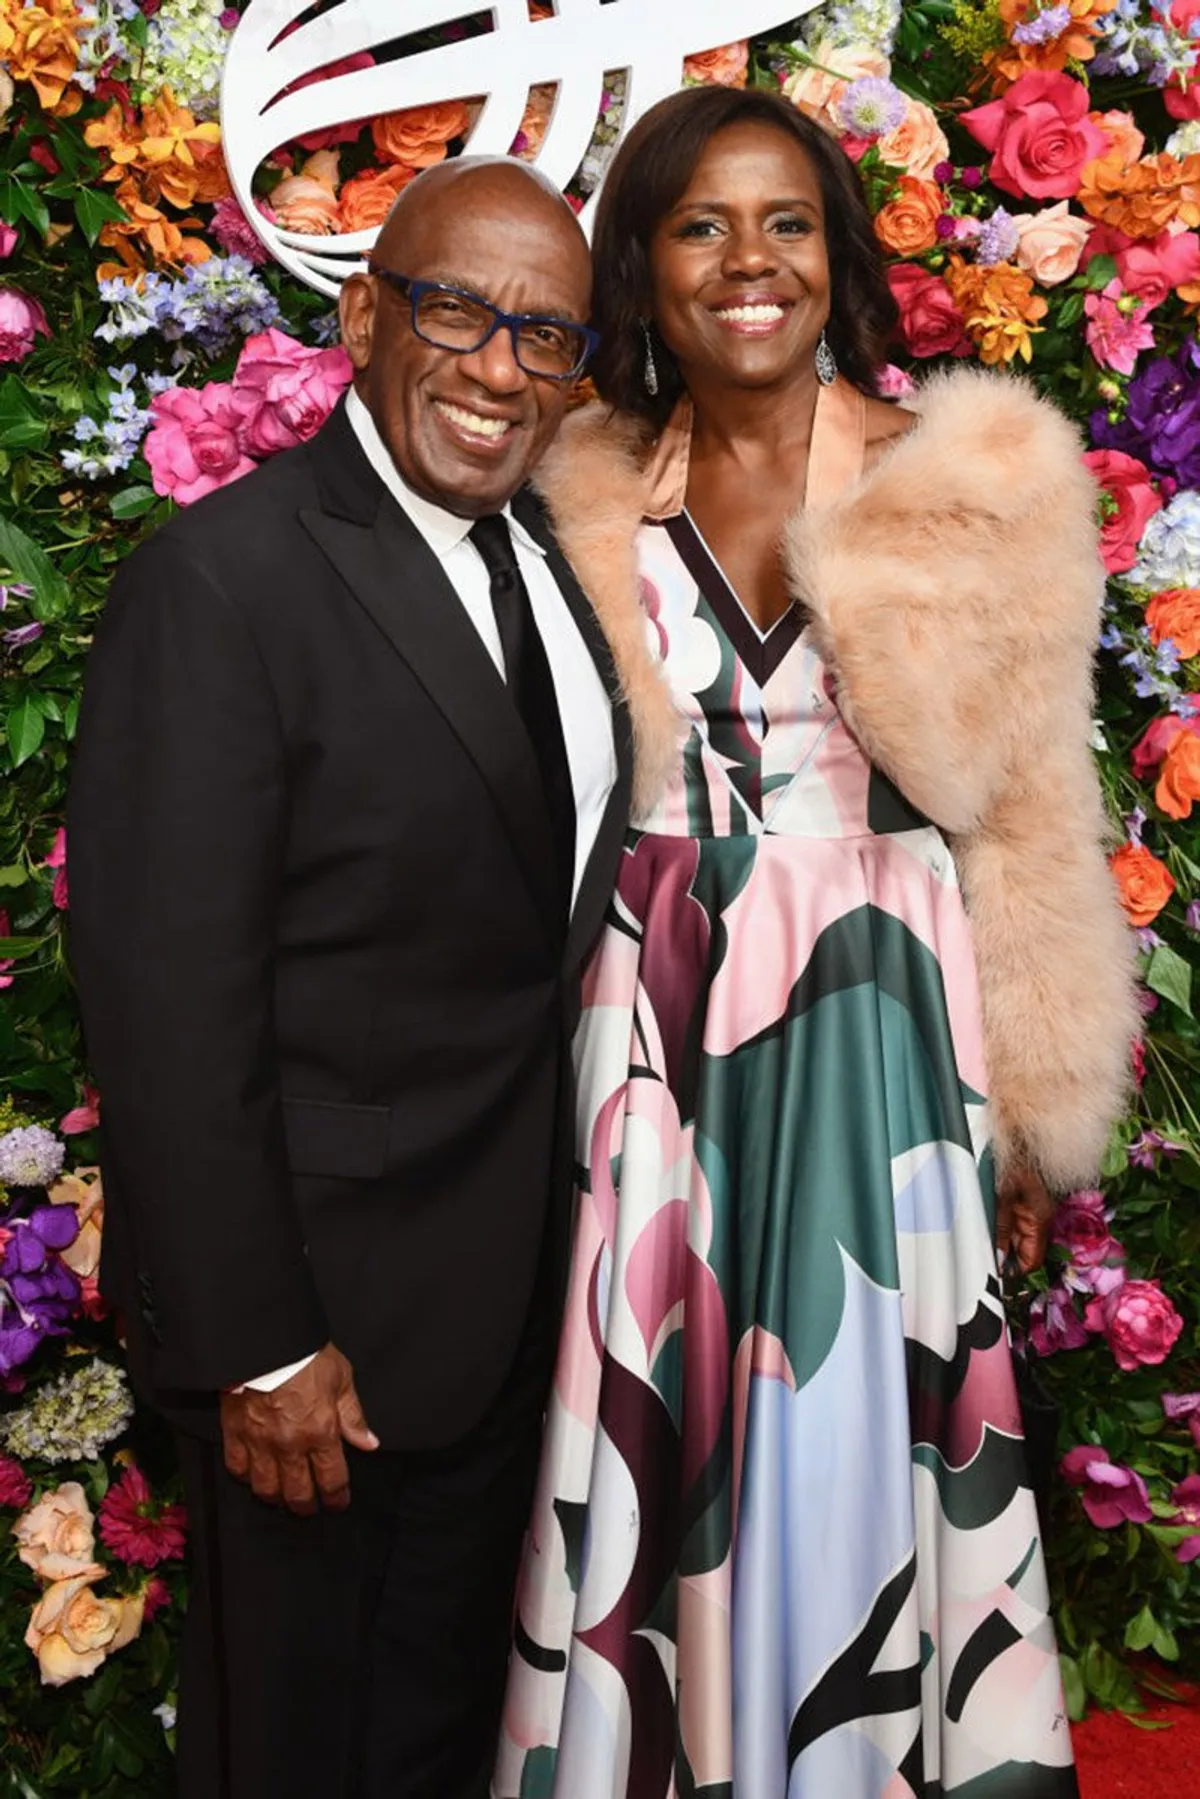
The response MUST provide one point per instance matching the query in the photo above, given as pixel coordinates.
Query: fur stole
(954, 593)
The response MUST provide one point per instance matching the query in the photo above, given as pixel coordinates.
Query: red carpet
(1120, 1760)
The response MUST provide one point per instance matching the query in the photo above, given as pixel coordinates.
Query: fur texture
(955, 594)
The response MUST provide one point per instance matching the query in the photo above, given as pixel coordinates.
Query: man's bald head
(466, 429)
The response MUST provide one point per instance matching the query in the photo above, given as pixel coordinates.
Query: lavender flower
(30, 1156)
(1044, 27)
(1127, 46)
(871, 107)
(1135, 824)
(22, 635)
(1191, 918)
(215, 302)
(998, 238)
(110, 444)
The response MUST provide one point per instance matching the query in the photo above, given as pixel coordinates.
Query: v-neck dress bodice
(784, 1544)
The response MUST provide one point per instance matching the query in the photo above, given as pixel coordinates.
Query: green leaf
(20, 946)
(20, 201)
(132, 502)
(1071, 310)
(1100, 271)
(26, 728)
(26, 561)
(1141, 1631)
(1165, 1644)
(95, 209)
(13, 875)
(1169, 975)
(22, 426)
(1074, 1691)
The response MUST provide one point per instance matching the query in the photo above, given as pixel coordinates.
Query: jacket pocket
(326, 1137)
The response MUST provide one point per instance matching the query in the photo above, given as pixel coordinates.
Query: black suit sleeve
(176, 839)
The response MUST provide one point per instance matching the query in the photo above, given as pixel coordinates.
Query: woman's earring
(826, 362)
(651, 376)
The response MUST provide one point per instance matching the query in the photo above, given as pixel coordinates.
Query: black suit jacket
(326, 992)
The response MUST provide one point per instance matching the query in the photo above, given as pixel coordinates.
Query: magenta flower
(1117, 331)
(1184, 1405)
(84, 1117)
(1186, 1500)
(1139, 1322)
(1112, 1494)
(16, 1488)
(138, 1528)
(1146, 1148)
(194, 445)
(236, 235)
(1054, 1323)
(57, 860)
(21, 319)
(8, 240)
(1081, 1228)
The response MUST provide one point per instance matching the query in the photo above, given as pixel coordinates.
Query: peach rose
(907, 225)
(1122, 133)
(917, 144)
(1179, 777)
(726, 67)
(417, 137)
(84, 1191)
(819, 85)
(528, 140)
(302, 204)
(1143, 882)
(55, 1537)
(1050, 243)
(323, 166)
(368, 198)
(1175, 613)
(73, 1629)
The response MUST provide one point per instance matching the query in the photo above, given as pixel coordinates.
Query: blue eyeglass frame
(414, 291)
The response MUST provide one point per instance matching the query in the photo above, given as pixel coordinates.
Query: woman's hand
(1024, 1215)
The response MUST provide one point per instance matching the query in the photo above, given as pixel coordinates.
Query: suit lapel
(400, 584)
(595, 889)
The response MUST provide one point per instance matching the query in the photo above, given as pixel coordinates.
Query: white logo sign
(648, 39)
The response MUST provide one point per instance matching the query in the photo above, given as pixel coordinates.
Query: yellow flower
(999, 306)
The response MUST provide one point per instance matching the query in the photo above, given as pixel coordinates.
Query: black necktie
(532, 687)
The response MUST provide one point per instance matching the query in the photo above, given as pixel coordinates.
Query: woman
(784, 1542)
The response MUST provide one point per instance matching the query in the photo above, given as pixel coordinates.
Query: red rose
(1040, 136)
(1126, 481)
(930, 322)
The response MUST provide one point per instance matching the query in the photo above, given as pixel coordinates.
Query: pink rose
(21, 318)
(194, 446)
(1139, 1321)
(1126, 481)
(894, 383)
(8, 240)
(1040, 136)
(1112, 1494)
(1152, 267)
(16, 1488)
(930, 322)
(1081, 1228)
(287, 389)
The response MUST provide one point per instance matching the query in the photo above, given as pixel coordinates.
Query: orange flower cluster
(1144, 197)
(164, 156)
(40, 45)
(1076, 44)
(1144, 884)
(418, 136)
(1175, 613)
(1000, 307)
(1179, 777)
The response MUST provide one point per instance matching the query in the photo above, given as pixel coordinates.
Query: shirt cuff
(267, 1383)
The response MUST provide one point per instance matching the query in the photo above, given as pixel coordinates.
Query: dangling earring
(651, 375)
(826, 362)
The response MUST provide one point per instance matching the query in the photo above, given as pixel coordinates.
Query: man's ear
(356, 314)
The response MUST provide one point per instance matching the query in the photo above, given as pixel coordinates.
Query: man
(346, 813)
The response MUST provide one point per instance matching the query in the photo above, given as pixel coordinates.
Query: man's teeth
(752, 315)
(475, 421)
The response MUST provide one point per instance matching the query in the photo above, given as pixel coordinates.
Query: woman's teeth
(751, 315)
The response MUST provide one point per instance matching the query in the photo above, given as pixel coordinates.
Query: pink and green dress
(784, 1545)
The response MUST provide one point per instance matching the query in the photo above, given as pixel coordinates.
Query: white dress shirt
(582, 702)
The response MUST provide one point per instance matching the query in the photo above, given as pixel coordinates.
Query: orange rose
(917, 144)
(1179, 777)
(418, 136)
(907, 225)
(1175, 613)
(726, 67)
(368, 198)
(302, 204)
(1144, 883)
(1122, 133)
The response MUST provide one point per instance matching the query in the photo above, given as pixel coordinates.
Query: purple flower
(1191, 917)
(1054, 1323)
(946, 227)
(971, 177)
(1135, 823)
(871, 107)
(1144, 1150)
(1112, 1494)
(1186, 1499)
(31, 1239)
(943, 172)
(1044, 27)
(997, 241)
(1184, 1405)
(21, 635)
(1162, 420)
(30, 1156)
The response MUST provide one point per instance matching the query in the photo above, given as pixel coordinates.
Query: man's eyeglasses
(450, 318)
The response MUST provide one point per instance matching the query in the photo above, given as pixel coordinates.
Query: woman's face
(739, 267)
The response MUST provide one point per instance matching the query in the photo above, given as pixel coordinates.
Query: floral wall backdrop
(1034, 170)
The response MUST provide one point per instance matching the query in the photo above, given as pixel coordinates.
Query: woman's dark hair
(651, 171)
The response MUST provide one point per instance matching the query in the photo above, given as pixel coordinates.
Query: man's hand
(1024, 1214)
(288, 1443)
